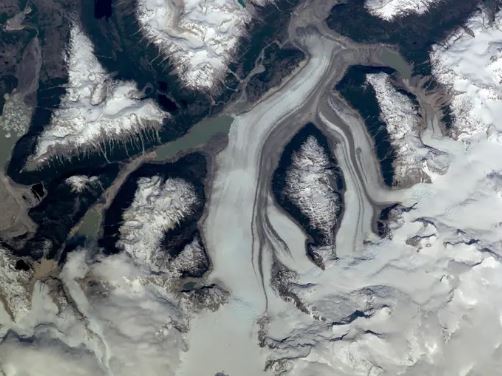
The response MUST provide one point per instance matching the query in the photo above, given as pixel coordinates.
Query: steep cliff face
(414, 161)
(308, 184)
(201, 37)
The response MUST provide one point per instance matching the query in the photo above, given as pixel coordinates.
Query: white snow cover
(200, 36)
(308, 186)
(158, 206)
(428, 297)
(390, 9)
(80, 182)
(23, 358)
(413, 159)
(101, 316)
(426, 300)
(470, 64)
(96, 108)
(192, 257)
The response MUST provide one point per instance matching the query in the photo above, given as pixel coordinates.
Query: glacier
(242, 297)
(425, 299)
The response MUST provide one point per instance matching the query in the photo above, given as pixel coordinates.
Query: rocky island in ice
(98, 308)
(312, 185)
(96, 108)
(424, 300)
(414, 161)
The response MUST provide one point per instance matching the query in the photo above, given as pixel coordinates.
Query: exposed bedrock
(468, 64)
(309, 185)
(95, 109)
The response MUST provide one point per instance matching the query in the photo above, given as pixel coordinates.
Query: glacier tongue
(425, 301)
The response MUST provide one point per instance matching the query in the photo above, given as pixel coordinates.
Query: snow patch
(80, 182)
(391, 9)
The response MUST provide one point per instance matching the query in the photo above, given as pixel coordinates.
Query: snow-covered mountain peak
(95, 107)
(199, 36)
(391, 9)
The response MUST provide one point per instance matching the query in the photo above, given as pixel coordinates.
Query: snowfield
(423, 301)
(426, 299)
(100, 316)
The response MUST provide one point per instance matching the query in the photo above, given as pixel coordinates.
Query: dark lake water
(122, 51)
(102, 8)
